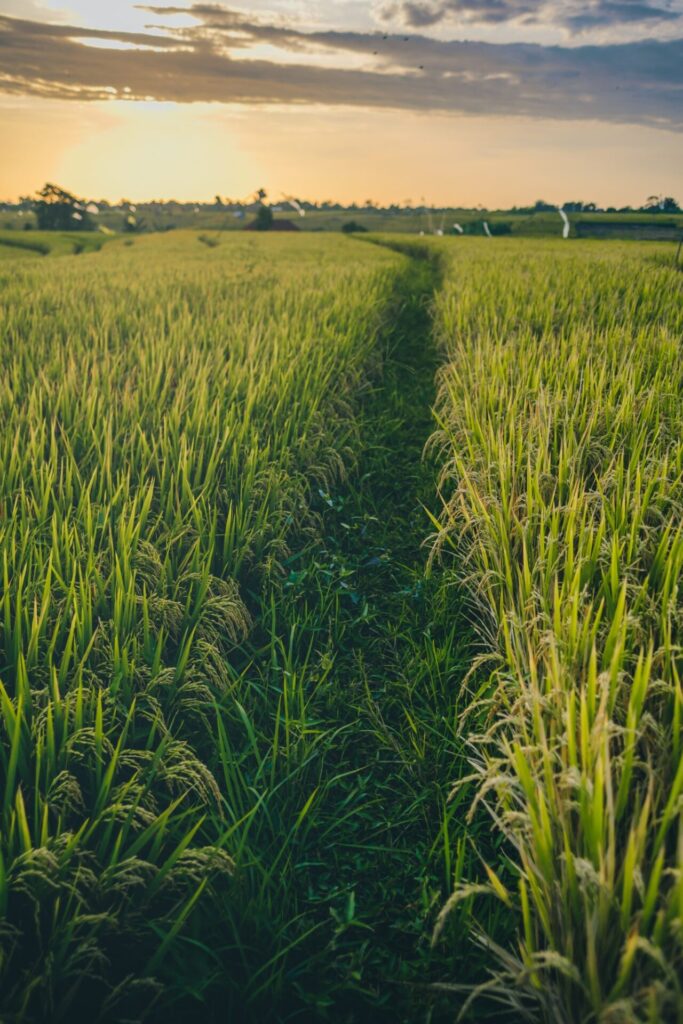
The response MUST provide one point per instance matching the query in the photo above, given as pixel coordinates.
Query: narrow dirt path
(354, 846)
(402, 656)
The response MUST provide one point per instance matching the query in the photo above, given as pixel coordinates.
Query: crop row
(561, 437)
(164, 411)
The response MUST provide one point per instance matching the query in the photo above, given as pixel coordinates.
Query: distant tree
(352, 227)
(264, 219)
(661, 204)
(540, 206)
(59, 210)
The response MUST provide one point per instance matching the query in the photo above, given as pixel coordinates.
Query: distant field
(408, 221)
(524, 225)
(340, 629)
(27, 244)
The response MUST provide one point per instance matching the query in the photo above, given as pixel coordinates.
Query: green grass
(299, 718)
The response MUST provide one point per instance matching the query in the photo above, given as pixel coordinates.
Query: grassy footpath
(351, 694)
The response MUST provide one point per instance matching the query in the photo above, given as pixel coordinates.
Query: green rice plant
(561, 436)
(561, 433)
(167, 410)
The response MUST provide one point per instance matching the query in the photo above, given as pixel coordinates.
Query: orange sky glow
(158, 104)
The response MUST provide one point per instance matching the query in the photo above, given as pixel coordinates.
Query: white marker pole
(565, 222)
(458, 228)
(487, 231)
(295, 204)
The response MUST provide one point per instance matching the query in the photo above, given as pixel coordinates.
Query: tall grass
(166, 409)
(561, 432)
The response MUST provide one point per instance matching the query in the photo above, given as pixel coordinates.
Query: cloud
(212, 61)
(27, 8)
(574, 15)
(613, 13)
(423, 13)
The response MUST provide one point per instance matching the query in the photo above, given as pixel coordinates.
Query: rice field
(15, 245)
(561, 442)
(340, 630)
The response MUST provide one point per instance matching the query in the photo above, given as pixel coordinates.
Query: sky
(451, 102)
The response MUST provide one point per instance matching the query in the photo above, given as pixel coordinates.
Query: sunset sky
(461, 102)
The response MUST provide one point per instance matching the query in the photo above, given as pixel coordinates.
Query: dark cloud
(640, 82)
(611, 14)
(422, 13)
(575, 15)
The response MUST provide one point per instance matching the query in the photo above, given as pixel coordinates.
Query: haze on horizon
(497, 102)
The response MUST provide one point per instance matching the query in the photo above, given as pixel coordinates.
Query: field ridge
(374, 876)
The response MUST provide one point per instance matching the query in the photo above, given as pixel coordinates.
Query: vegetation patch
(340, 630)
